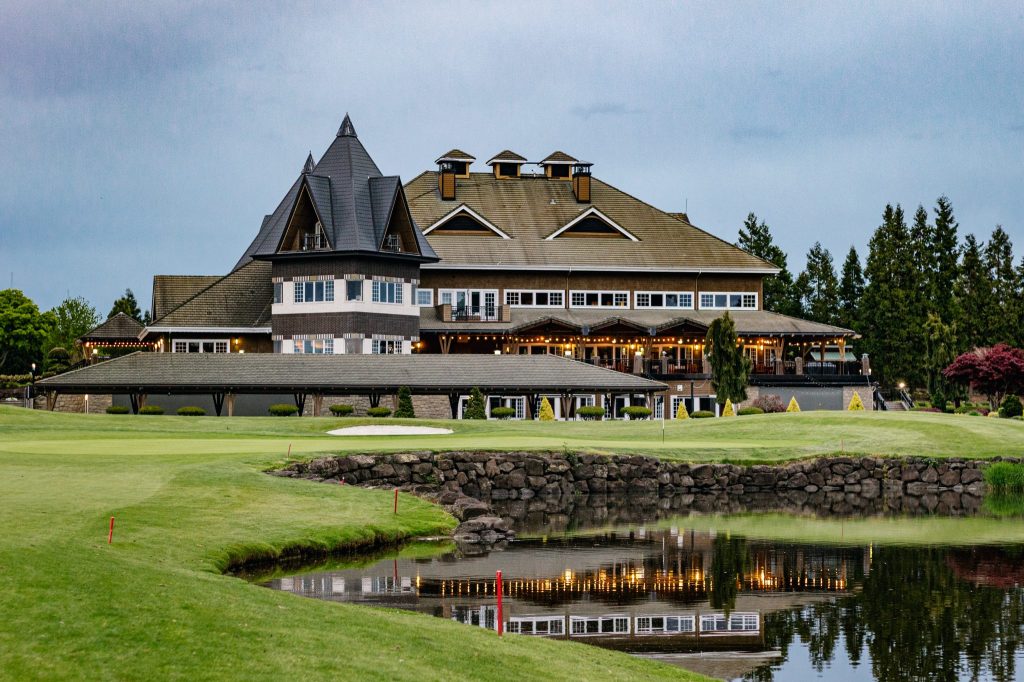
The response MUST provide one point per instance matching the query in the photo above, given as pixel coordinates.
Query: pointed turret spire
(347, 129)
(308, 167)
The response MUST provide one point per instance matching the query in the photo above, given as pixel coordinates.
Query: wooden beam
(229, 400)
(218, 402)
(300, 402)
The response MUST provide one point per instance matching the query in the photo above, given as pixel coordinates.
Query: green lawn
(189, 497)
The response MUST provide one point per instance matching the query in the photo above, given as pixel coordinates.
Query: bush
(475, 408)
(702, 414)
(727, 410)
(405, 409)
(745, 411)
(793, 406)
(151, 409)
(856, 404)
(925, 409)
(283, 409)
(378, 412)
(635, 412)
(547, 414)
(590, 413)
(1011, 407)
(1004, 476)
(503, 412)
(681, 413)
(118, 409)
(191, 411)
(341, 410)
(770, 403)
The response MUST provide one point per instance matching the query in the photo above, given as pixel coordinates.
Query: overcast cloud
(149, 138)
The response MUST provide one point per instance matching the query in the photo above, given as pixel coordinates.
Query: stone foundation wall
(835, 484)
(98, 403)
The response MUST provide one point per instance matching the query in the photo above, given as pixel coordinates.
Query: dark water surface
(788, 598)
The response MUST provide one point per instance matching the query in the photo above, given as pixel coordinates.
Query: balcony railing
(474, 313)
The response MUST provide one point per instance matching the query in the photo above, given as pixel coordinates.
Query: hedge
(503, 412)
(379, 411)
(590, 412)
(635, 412)
(744, 411)
(283, 409)
(1011, 407)
(191, 411)
(118, 409)
(151, 409)
(341, 410)
(702, 414)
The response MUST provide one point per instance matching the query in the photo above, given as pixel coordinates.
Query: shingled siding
(341, 266)
(287, 326)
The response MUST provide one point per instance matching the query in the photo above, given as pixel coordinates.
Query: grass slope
(189, 498)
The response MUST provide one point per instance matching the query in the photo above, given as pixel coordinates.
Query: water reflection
(722, 604)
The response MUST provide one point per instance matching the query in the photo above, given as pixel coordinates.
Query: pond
(750, 596)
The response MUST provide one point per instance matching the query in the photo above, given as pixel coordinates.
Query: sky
(151, 138)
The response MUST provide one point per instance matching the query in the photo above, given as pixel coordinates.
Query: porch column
(229, 400)
(318, 404)
(453, 403)
(300, 402)
(218, 402)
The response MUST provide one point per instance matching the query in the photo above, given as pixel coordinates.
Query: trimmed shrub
(1011, 407)
(636, 412)
(118, 409)
(590, 413)
(503, 412)
(1005, 476)
(341, 410)
(856, 404)
(151, 409)
(378, 412)
(770, 403)
(283, 409)
(993, 413)
(793, 406)
(681, 413)
(547, 414)
(405, 409)
(475, 408)
(191, 411)
(58, 360)
(702, 414)
(745, 411)
(727, 411)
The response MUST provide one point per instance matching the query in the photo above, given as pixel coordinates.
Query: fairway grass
(190, 498)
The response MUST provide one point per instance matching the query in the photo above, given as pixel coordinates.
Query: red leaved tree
(993, 371)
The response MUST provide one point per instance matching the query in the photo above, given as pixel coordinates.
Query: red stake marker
(501, 616)
(396, 500)
(110, 535)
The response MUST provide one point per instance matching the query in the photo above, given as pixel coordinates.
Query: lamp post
(31, 392)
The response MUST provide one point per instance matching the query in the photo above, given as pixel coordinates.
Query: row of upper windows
(326, 346)
(525, 298)
(322, 291)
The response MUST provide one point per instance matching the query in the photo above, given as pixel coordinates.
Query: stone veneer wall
(98, 403)
(835, 483)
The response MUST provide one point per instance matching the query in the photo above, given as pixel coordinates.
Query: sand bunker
(389, 431)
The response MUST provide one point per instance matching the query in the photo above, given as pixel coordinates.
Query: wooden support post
(566, 404)
(218, 402)
(318, 404)
(300, 402)
(51, 401)
(134, 399)
(374, 399)
(453, 403)
(229, 400)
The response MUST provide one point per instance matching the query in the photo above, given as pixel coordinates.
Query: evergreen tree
(1019, 340)
(127, 305)
(756, 239)
(884, 313)
(405, 409)
(851, 291)
(820, 287)
(939, 352)
(945, 256)
(1001, 317)
(974, 296)
(730, 368)
(475, 407)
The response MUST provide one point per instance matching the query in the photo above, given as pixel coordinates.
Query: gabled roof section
(581, 220)
(559, 158)
(241, 299)
(120, 326)
(464, 210)
(345, 189)
(506, 156)
(455, 155)
(170, 291)
(391, 213)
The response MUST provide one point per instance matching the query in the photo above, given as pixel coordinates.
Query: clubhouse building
(507, 257)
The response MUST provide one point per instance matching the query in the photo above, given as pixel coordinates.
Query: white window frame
(620, 625)
(743, 622)
(326, 346)
(616, 294)
(684, 623)
(555, 625)
(744, 295)
(517, 294)
(224, 343)
(387, 346)
(326, 293)
(381, 291)
(681, 294)
(429, 302)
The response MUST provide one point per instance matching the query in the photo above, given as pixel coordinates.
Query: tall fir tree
(1001, 315)
(1019, 340)
(730, 367)
(756, 238)
(851, 291)
(920, 271)
(127, 305)
(974, 296)
(884, 318)
(945, 256)
(820, 287)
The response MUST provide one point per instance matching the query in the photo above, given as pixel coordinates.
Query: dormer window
(558, 166)
(507, 164)
(315, 241)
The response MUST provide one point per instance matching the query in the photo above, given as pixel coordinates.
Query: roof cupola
(558, 165)
(507, 164)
